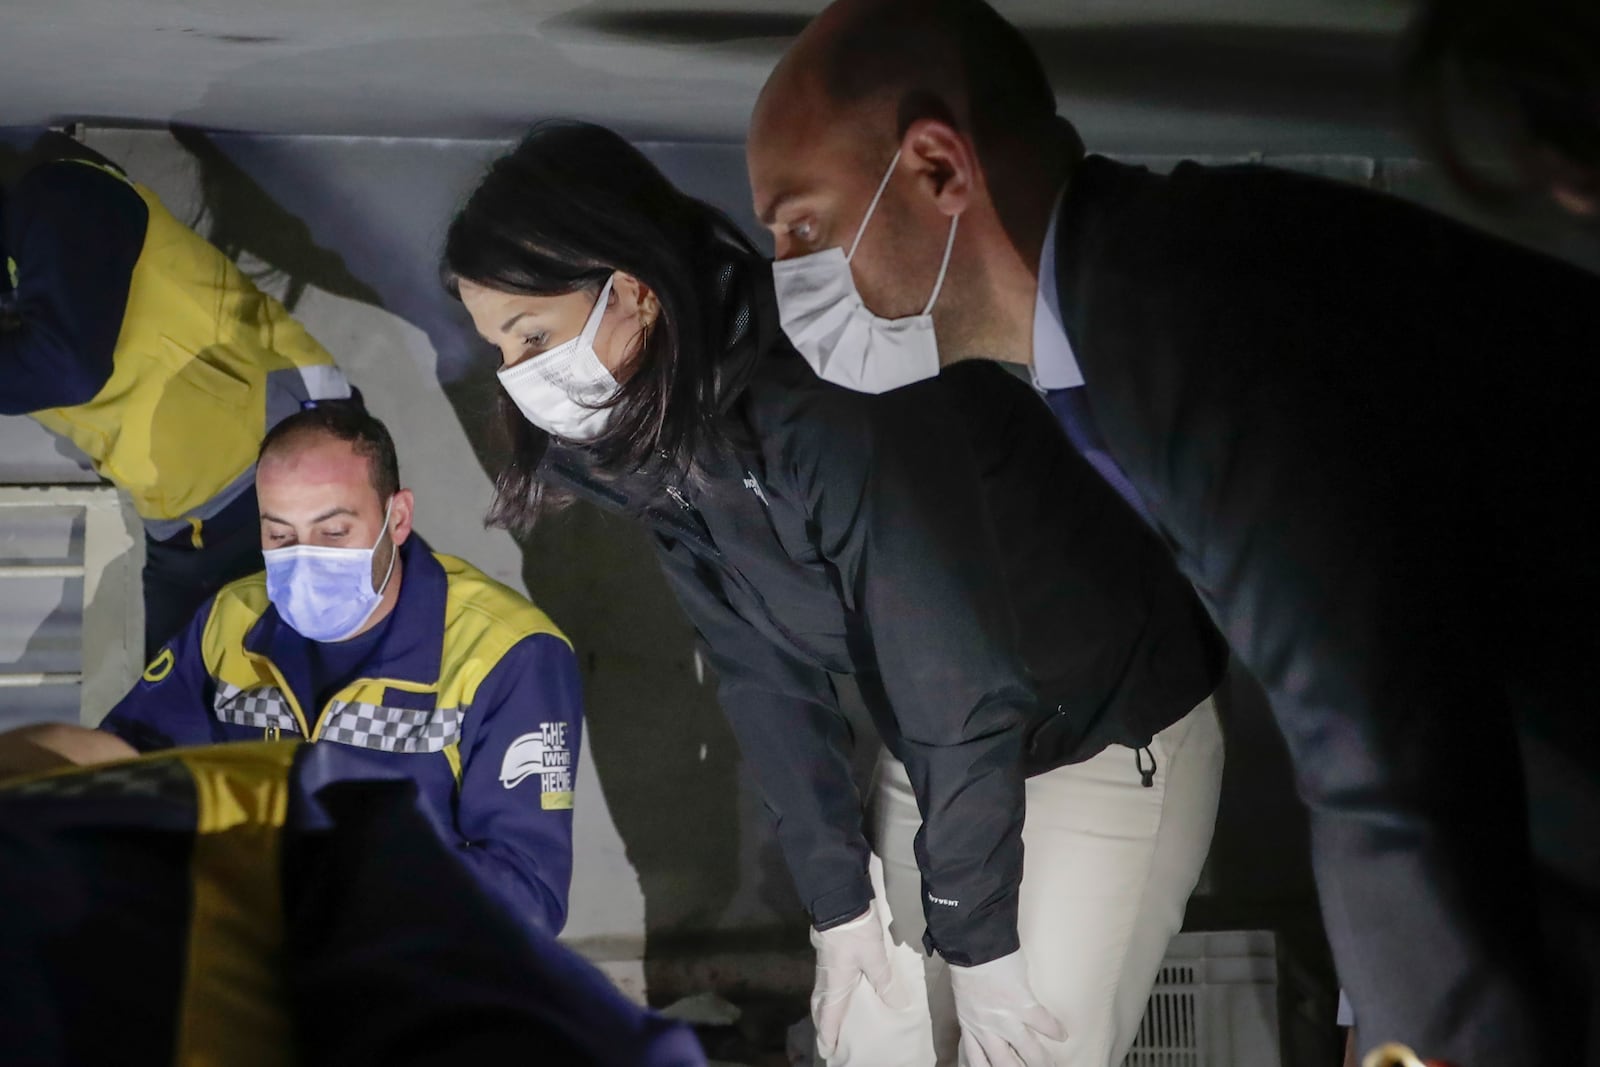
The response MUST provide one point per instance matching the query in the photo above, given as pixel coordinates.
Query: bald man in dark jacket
(1365, 431)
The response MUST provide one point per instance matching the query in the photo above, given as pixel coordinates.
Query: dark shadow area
(1259, 873)
(687, 26)
(666, 759)
(23, 148)
(243, 218)
(1298, 73)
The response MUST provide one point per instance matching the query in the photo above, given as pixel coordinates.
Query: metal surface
(1222, 72)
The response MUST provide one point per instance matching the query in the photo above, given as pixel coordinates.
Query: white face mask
(821, 310)
(561, 390)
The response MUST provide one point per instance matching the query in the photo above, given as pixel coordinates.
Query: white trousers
(1110, 866)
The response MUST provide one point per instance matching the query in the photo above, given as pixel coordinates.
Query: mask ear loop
(394, 548)
(944, 265)
(591, 328)
(862, 229)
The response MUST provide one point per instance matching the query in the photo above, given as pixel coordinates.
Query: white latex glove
(1000, 1018)
(845, 955)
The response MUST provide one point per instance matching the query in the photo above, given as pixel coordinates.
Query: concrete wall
(676, 866)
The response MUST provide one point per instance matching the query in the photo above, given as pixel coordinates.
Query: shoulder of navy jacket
(506, 611)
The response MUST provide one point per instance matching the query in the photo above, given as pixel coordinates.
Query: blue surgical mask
(326, 594)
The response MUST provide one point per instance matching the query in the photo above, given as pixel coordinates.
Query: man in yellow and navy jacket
(359, 635)
(132, 336)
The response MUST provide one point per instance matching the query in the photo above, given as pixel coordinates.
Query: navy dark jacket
(1368, 433)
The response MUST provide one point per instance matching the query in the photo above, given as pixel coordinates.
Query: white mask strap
(591, 328)
(860, 232)
(944, 265)
(395, 549)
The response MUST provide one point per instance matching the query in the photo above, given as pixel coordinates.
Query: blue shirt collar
(1055, 365)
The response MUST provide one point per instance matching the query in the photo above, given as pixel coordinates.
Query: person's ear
(401, 512)
(944, 161)
(635, 298)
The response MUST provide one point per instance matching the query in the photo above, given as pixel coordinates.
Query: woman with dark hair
(807, 529)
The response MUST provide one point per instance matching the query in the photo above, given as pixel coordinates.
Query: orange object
(1397, 1055)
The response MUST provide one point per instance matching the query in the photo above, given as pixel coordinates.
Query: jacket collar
(1097, 191)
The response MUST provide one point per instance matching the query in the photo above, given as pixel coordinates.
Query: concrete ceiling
(1155, 74)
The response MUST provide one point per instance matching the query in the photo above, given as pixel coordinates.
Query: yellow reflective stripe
(234, 1011)
(556, 801)
(452, 753)
(159, 667)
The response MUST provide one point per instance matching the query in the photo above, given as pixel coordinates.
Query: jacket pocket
(207, 375)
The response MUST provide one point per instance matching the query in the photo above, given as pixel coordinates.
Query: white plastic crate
(1215, 1004)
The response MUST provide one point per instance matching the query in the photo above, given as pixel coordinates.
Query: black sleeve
(896, 499)
(786, 716)
(75, 231)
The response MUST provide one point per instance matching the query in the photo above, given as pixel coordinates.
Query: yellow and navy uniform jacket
(472, 693)
(146, 346)
(271, 904)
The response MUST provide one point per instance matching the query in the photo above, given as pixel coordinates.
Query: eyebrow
(513, 320)
(324, 517)
(779, 202)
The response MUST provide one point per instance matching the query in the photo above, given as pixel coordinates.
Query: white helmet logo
(525, 756)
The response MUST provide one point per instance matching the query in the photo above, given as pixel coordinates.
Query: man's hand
(1001, 1020)
(845, 955)
(52, 745)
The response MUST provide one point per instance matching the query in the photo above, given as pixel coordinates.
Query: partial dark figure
(1021, 639)
(1514, 83)
(131, 336)
(267, 904)
(1365, 430)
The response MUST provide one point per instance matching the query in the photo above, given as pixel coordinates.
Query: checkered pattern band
(391, 729)
(161, 779)
(259, 708)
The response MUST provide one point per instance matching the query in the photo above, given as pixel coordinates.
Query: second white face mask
(821, 311)
(561, 390)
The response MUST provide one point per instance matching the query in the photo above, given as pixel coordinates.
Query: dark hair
(348, 421)
(1527, 76)
(568, 206)
(954, 49)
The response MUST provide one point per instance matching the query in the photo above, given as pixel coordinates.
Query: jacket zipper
(683, 503)
(288, 696)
